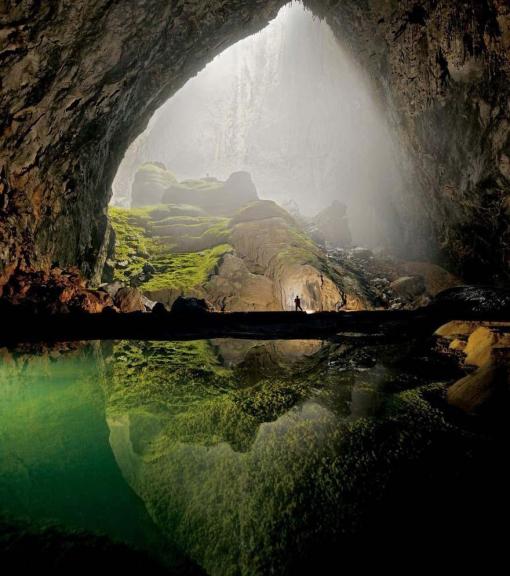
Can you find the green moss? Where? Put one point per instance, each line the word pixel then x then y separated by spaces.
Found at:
pixel 157 173
pixel 260 210
pixel 137 245
pixel 199 185
pixel 133 247
pixel 186 270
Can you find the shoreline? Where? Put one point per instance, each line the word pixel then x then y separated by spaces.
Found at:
pixel 21 326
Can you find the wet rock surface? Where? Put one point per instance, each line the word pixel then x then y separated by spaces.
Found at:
pixel 385 278
pixel 483 348
pixel 485 299
pixel 54 292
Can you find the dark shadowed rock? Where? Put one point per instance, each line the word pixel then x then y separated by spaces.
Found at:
pixel 159 309
pixel 482 299
pixel 190 306
pixel 408 287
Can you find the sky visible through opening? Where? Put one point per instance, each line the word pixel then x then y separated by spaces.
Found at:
pixel 291 107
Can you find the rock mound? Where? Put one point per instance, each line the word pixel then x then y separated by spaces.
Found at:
pixel 151 180
pixel 213 196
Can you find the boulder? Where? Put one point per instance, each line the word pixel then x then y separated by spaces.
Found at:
pixel 159 309
pixel 149 304
pixel 211 195
pixel 112 288
pixel 191 306
pixel 56 291
pixel 241 185
pixel 456 328
pixel 129 300
pixel 486 346
pixel 436 278
pixel 476 299
pixel 408 287
pixel 481 391
pixel 487 343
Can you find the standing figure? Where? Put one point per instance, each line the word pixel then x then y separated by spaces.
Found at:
pixel 297 302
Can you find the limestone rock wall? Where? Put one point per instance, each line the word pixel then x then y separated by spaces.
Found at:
pixel 442 70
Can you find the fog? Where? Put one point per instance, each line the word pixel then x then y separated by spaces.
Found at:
pixel 290 106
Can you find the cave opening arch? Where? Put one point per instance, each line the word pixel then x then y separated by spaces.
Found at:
pixel 81 82
pixel 289 106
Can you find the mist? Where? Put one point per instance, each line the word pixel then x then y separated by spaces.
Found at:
pixel 290 106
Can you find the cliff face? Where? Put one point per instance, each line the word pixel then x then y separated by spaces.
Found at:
pixel 441 68
pixel 80 81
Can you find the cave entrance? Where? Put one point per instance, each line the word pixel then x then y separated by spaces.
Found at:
pixel 276 146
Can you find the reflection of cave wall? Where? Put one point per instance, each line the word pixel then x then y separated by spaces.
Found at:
pixel 81 80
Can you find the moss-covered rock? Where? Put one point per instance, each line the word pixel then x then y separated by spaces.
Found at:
pixel 179 248
pixel 151 180
pixel 159 265
pixel 214 196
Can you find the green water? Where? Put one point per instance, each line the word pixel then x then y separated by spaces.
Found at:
pixel 245 457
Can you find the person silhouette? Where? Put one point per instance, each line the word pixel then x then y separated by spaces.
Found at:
pixel 297 302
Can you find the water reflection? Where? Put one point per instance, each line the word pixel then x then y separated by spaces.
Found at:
pixel 252 454
pixel 250 457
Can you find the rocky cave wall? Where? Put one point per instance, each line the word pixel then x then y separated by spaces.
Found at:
pixel 441 68
pixel 81 80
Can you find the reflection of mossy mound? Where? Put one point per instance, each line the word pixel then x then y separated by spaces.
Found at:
pixel 305 482
pixel 180 392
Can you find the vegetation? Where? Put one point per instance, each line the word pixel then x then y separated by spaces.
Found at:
pixel 139 249
pixel 173 249
pixel 184 271
pixel 156 174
